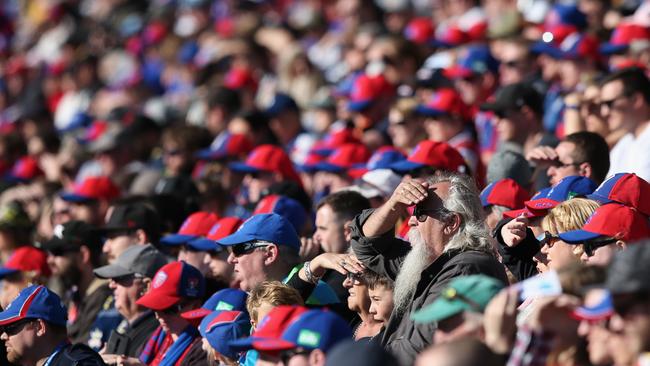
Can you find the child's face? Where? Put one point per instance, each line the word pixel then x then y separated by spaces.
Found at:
pixel 381 303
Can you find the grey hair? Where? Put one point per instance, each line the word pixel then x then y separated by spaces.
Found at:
pixel 464 200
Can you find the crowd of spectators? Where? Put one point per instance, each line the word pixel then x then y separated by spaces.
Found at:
pixel 325 182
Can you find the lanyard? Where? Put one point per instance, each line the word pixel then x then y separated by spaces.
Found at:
pixel 56 351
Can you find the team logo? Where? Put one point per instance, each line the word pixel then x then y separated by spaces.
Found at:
pixel 160 279
pixel 192 286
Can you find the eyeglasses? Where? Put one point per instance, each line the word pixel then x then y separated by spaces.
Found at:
pixel 451 293
pixel 421 214
pixel 286 356
pixel 590 246
pixel 126 281
pixel 245 248
pixel 610 103
pixel 354 277
pixel 558 164
pixel 547 239
pixel 173 152
pixel 401 122
pixel 17 327
pixel 513 64
pixel 174 309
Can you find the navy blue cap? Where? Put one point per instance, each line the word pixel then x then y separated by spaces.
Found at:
pixel 226 299
pixel 35 302
pixel 281 102
pixel 266 227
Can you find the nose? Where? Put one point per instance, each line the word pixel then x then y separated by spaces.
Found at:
pixel 4 336
pixel 112 284
pixel 207 258
pixel 584 257
pixel 347 283
pixel 583 328
pixel 551 171
pixel 413 222
pixel 232 259
pixel 604 110
pixel 544 249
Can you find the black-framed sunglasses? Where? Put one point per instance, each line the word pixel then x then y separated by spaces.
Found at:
pixel 547 239
pixel 286 356
pixel 246 248
pixel 558 164
pixel 421 214
pixel 17 327
pixel 610 103
pixel 127 280
pixel 590 246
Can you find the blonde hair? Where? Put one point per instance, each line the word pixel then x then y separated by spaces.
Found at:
pixel 274 293
pixel 569 215
pixel 405 106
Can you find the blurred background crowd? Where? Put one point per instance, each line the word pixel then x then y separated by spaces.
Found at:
pixel 379 171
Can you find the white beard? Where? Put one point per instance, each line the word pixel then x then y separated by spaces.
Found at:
pixel 416 261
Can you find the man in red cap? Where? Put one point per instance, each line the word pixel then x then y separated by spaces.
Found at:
pixel 91 199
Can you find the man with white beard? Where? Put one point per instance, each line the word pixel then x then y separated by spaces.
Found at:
pixel 448 238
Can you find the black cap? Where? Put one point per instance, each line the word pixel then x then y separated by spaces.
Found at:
pixel 629 271
pixel 352 353
pixel 71 236
pixel 133 216
pixel 515 97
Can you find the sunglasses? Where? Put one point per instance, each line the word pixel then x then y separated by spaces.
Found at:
pixel 17 327
pixel 547 239
pixel 127 281
pixel 513 64
pixel 421 214
pixel 557 164
pixel 174 309
pixel 246 248
pixel 610 103
pixel 590 246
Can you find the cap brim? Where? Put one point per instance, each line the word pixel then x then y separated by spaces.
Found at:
pixel 541 204
pixel 243 168
pixel 610 49
pixel 513 214
pixel 57 243
pixel 359 106
pixel 76 198
pixel 4 272
pixel 328 167
pixel 270 345
pixel 234 239
pixel 205 245
pixel 578 236
pixel 439 310
pixel 596 197
pixel 112 271
pixel 423 110
pixel 405 166
pixel 207 154
pixel 458 72
pixel 244 344
pixel 155 301
pixel 547 49
pixel 196 314
pixel 177 239
pixel 307 168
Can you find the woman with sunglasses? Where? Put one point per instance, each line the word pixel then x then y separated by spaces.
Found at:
pixel 569 215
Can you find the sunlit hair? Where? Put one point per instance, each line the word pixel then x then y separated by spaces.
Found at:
pixel 464 200
pixel 569 215
pixel 274 293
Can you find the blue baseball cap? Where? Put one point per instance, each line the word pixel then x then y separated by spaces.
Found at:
pixel 567 188
pixel 600 310
pixel 266 227
pixel 226 299
pixel 224 326
pixel 476 60
pixel 287 207
pixel 35 302
pixel 281 102
pixel 314 329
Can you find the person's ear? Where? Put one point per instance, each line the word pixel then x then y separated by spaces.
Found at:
pixel 316 358
pixel 271 254
pixel 585 170
pixel 40 327
pixel 452 224
pixel 141 236
pixel 146 284
pixel 620 245
pixel 85 255
pixel 347 231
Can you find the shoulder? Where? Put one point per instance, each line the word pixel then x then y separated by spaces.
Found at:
pixel 474 262
pixel 78 354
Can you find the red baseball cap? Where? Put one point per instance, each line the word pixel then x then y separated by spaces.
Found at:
pixel 444 102
pixel 239 77
pixel 530 212
pixel 419 30
pixel 623 36
pixel 367 89
pixel 26 259
pixel 505 192
pixel 228 146
pixel 270 327
pixel 92 188
pixel 195 225
pixel 432 154
pixel 625 188
pixel 611 220
pixel 345 157
pixel 24 170
pixel 334 139
pixel 173 282
pixel 268 158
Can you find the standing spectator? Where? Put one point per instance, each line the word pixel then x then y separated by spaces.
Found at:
pixel 625 103
pixel 447 239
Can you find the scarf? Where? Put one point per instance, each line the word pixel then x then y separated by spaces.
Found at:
pixel 173 353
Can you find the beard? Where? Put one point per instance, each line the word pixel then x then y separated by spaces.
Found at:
pixel 13 356
pixel 70 276
pixel 416 261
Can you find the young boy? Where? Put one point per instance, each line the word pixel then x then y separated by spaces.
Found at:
pixel 380 291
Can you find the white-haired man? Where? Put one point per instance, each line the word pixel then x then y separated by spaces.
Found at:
pixel 448 238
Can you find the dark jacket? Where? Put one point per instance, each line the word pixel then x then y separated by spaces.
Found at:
pixel 98 297
pixel 77 355
pixel 384 254
pixel 129 339
pixel 518 259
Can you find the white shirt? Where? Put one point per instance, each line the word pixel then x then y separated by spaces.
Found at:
pixel 632 155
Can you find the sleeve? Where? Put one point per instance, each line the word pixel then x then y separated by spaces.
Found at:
pixel 531 348
pixel 382 254
pixel 518 259
pixel 304 288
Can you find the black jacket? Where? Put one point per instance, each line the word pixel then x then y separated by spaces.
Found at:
pixel 518 259
pixel 384 255
pixel 130 339
pixel 77 355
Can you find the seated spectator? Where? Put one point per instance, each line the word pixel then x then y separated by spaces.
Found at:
pixel 268 295
pixel 220 270
pixel 130 276
pixel 130 224
pixel 458 311
pixel 177 287
pixel 26 266
pixel 91 198
pixel 567 216
pixel 380 292
pixel 218 329
pixel 404 129
pixel 501 196
pixel 627 189
pixel 34 330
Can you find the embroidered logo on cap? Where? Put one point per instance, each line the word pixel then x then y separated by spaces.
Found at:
pixel 222 305
pixel 160 279
pixel 309 338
